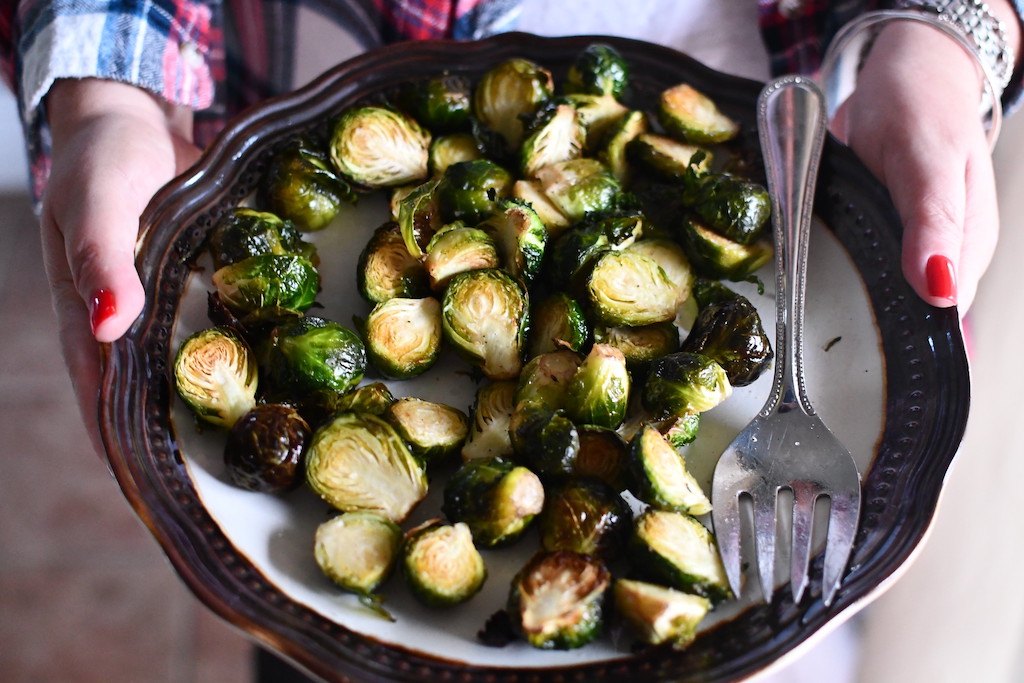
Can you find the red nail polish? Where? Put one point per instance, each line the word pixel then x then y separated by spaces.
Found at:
pixel 941 278
pixel 101 308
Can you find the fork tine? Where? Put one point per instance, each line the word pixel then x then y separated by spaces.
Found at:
pixel 726 517
pixel 803 521
pixel 842 526
pixel 765 530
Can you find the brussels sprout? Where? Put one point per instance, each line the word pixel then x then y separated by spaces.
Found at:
pixel 484 314
pixel 373 398
pixel 434 431
pixel 660 477
pixel 680 431
pixel 545 378
pixel 573 254
pixel 718 257
pixel 602 455
pixel 640 345
pixel 672 259
pixel 556 600
pixel 470 190
pixel 387 270
pixel 691 116
pixel 531 192
pixel 659 614
pixel 442 103
pixel 521 238
pixel 629 288
pixel 668 158
pixel 378 146
pixel 730 332
pixel 558 136
pixel 403 336
pixel 455 249
pixel 707 292
pixel 545 440
pixel 215 375
pixel 585 516
pixel 265 448
pixel 676 550
pixel 507 92
pixel 313 354
pixel 579 186
pixel 446 150
pixel 286 282
pixel 599 69
pixel 556 322
pixel 615 151
pixel 419 216
pixel 598 114
pixel 496 498
pixel 488 429
pixel 682 383
pixel 357 461
pixel 736 209
pixel 441 564
pixel 598 393
pixel 378 541
pixel 241 233
pixel 300 186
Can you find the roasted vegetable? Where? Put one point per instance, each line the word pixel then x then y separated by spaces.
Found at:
pixel 403 336
pixel 455 249
pixel 357 461
pixel 469 191
pixel 578 187
pixel 314 354
pixel 640 345
pixel 682 383
pixel 442 103
pixel 215 374
pixel 629 288
pixel 680 431
pixel 490 417
pixel 387 270
pixel 546 379
pixel 243 232
pixel 266 447
pixel 602 455
pixel 545 440
pixel 676 550
pixel 730 332
pixel 660 477
pixel 598 393
pixel 718 257
pixel 509 91
pixel 671 258
pixel 735 208
pixel 446 150
pixel 557 600
pixel 598 114
pixel 558 136
pixel 659 614
pixel 441 564
pixel 377 146
pixel 521 238
pixel 572 255
pixel 585 516
pixel 691 116
pixel 615 150
pixel 531 192
pixel 434 431
pixel 668 158
pixel 556 322
pixel 362 572
pixel 301 186
pixel 287 282
pixel 419 216
pixel 599 69
pixel 496 498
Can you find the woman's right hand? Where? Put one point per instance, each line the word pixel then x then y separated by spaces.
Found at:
pixel 114 145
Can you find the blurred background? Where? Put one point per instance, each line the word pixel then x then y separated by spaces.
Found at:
pixel 86 595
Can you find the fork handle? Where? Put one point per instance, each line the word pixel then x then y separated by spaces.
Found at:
pixel 792 122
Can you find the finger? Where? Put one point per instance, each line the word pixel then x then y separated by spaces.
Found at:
pixel 981 227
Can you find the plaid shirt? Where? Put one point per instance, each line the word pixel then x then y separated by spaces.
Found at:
pixel 220 56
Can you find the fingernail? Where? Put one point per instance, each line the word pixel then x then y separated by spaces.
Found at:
pixel 101 308
pixel 941 278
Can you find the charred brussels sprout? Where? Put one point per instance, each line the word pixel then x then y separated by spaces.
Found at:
pixel 602 455
pixel 378 540
pixel 598 393
pixel 313 354
pixel 419 216
pixel 659 614
pixel 586 516
pixel 558 136
pixel 357 461
pixel 572 255
pixel 719 257
pixel 579 186
pixel 599 69
pixel 675 549
pixel 265 448
pixel 668 158
pixel 615 151
pixel 546 378
pixel 442 103
pixel 496 498
pixel 660 476
pixel 457 249
pixel 506 93
pixel 484 314
pixel 287 282
pixel 521 238
pixel 378 146
pixel 545 440
pixel 300 186
pixel 730 332
pixel 215 375
pixel 403 336
pixel 736 209
pixel 387 270
pixel 241 233
pixel 691 116
pixel 683 383
pixel 434 431
pixel 707 292
pixel 628 288
pixel 557 322
pixel 488 428
pixel 441 564
pixel 470 190
pixel 557 600
pixel 640 345
pixel 447 150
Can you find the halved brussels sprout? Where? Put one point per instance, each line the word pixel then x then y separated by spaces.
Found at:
pixel 558 136
pixel 602 455
pixel 441 564
pixel 455 249
pixel 579 186
pixel 287 282
pixel 615 151
pixel 484 314
pixel 496 498
pixel 556 322
pixel 628 288
pixel 531 192
pixel 266 447
pixel 546 378
pixel 665 156
pixel 470 190
pixel 672 259
pixel 676 550
pixel 598 114
pixel 735 208
pixel 434 431
pixel 215 374
pixel 599 69
pixel 373 398
pixel 243 232
pixel 310 354
pixel 720 258
pixel 660 477
pixel 300 186
pixel 387 270
pixel 730 332
pixel 358 551
pixel 521 237
pixel 598 393
pixel 357 461
pixel 572 256
pixel 659 614
pixel 680 431
pixel 545 440
pixel 403 336
pixel 419 216
pixel 490 417
pixel 682 383
pixel 507 92
pixel 691 116
pixel 585 516
pixel 640 345
pixel 442 103
pixel 556 600
pixel 446 150
pixel 377 146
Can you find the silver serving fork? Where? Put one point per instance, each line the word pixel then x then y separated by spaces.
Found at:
pixel 787 446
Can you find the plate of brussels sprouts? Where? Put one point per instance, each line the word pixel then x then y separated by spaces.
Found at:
pixel 440 352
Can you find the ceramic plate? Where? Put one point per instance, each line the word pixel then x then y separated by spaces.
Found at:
pixel 887 373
